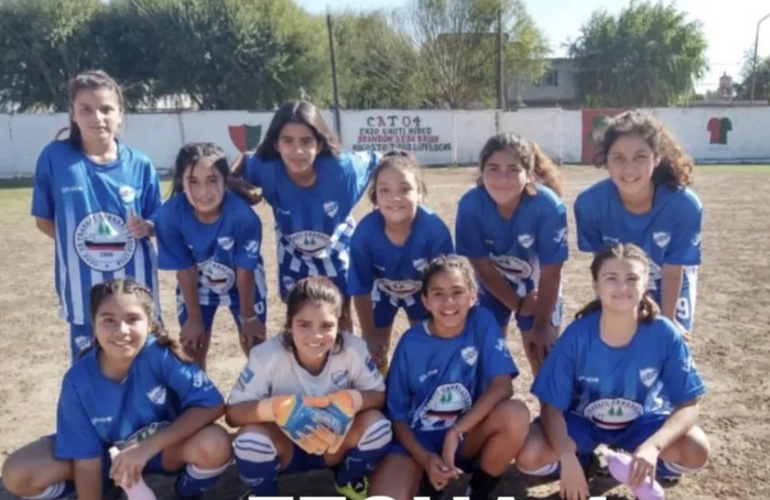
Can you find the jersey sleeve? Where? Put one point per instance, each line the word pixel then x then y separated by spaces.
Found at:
pixel 397 394
pixel 685 246
pixel 361 165
pixel 364 373
pixel 495 356
pixel 43 204
pixel 469 238
pixel 173 253
pixel 442 239
pixel 248 240
pixel 589 236
pixel 552 234
pixel 151 197
pixel 556 378
pixel 192 386
pixel 681 379
pixel 252 169
pixel 253 382
pixel 76 437
pixel 360 274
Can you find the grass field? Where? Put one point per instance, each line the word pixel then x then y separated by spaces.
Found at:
pixel 729 337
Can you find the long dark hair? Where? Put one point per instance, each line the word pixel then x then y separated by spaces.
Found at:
pixel 648 309
pixel 90 80
pixel 317 289
pixel 304 113
pixel 190 155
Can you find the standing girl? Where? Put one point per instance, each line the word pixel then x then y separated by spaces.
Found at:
pixel 132 391
pixel 390 248
pixel 449 393
pixel 212 239
pixel 646 201
pixel 620 375
pixel 311 373
pixel 513 228
pixel 96 198
pixel 312 187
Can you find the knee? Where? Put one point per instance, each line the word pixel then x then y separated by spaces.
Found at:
pixel 696 449
pixel 213 447
pixel 376 431
pixel 254 444
pixel 515 416
pixel 18 478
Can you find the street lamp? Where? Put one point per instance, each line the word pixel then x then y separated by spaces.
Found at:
pixel 754 69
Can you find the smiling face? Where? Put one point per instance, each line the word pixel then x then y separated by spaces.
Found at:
pixel 621 284
pixel 97 113
pixel 121 326
pixel 448 298
pixel 298 147
pixel 204 187
pixel 504 177
pixel 631 162
pixel 314 333
pixel 398 194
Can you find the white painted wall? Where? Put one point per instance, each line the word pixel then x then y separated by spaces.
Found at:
pixel 444 136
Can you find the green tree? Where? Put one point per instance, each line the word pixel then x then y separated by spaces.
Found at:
pixel 649 55
pixel 762 83
pixel 457 47
pixel 42 45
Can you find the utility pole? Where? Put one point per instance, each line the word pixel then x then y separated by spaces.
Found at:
pixel 754 64
pixel 337 124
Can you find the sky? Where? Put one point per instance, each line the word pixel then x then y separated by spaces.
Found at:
pixel 729 25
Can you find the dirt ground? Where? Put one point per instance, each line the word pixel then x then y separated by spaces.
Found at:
pixel 733 315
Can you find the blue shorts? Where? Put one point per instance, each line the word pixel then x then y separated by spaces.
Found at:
pixel 503 315
pixel 587 435
pixel 207 313
pixel 433 441
pixel 81 339
pixel 288 278
pixel 385 310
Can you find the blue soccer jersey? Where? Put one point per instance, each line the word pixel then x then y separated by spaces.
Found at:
pixel 614 386
pixel 218 249
pixel 670 233
pixel 433 381
pixel 393 273
pixel 313 224
pixel 89 204
pixel 96 413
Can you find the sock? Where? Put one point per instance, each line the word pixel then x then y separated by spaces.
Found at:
pixel 369 450
pixel 543 471
pixel 257 461
pixel 194 482
pixel 482 485
pixel 57 491
pixel 670 470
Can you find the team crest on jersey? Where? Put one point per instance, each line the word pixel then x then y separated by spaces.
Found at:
pixel 215 276
pixel 340 378
pixel 399 289
pixel 310 243
pixel 501 346
pixel 127 193
pixel 561 236
pixel 526 240
pixel 103 242
pixel 512 268
pixel 226 243
pixel 419 264
pixel 83 342
pixel 648 376
pixel 157 395
pixel 661 238
pixel 370 364
pixel 447 404
pixel 331 208
pixel 613 413
pixel 252 248
pixel 470 355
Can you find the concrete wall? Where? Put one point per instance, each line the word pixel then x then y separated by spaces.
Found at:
pixel 436 136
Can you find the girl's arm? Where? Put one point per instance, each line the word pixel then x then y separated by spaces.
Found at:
pixel 555 429
pixel 188 284
pixel 682 419
pixel 252 329
pixel 88 478
pixel 365 313
pixel 406 438
pixel 188 423
pixel 495 283
pixel 46 226
pixel 244 413
pixel 500 389
pixel 372 400
pixel 670 285
pixel 547 294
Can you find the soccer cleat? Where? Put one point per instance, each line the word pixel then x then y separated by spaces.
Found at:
pixel 354 491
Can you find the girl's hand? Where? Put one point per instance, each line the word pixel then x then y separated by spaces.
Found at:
pixel 128 465
pixel 643 464
pixel 252 333
pixel 439 473
pixel 138 227
pixel 452 441
pixel 191 335
pixel 573 480
pixel 539 342
pixel 528 304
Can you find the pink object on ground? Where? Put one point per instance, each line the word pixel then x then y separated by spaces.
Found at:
pixel 140 490
pixel 619 465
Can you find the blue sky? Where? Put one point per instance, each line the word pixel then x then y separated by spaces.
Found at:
pixel 729 25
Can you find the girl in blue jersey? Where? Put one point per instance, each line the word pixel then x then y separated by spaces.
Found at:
pixel 620 375
pixel 513 228
pixel 312 187
pixel 311 373
pixel 449 393
pixel 646 201
pixel 212 239
pixel 132 391
pixel 96 198
pixel 390 248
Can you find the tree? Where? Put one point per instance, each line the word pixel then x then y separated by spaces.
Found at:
pixel 44 44
pixel 649 55
pixel 762 83
pixel 457 47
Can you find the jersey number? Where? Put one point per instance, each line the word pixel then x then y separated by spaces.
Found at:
pixel 683 308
